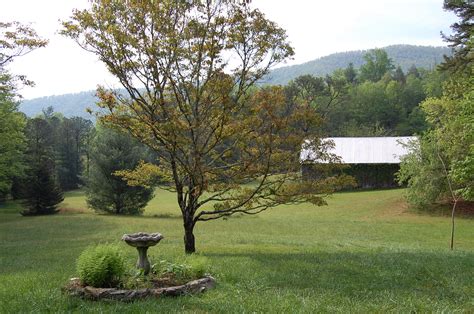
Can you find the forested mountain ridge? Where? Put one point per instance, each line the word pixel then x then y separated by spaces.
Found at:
pixel 426 57
pixel 404 55
pixel 70 105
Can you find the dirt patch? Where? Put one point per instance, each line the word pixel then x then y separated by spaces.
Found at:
pixel 396 207
pixel 70 210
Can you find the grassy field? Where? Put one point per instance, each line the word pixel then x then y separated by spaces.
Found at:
pixel 365 252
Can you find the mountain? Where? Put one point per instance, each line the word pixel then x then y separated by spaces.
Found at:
pixel 403 55
pixel 68 104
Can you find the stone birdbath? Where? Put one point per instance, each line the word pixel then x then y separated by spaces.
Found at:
pixel 142 241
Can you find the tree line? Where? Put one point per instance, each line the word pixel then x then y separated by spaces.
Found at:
pixel 60 154
pixel 378 99
pixel 63 154
pixel 426 57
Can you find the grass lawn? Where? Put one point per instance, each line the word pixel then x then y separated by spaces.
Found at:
pixel 365 252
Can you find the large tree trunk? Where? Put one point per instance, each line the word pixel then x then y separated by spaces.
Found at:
pixel 189 243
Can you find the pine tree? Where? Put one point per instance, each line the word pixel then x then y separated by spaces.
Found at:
pixel 71 147
pixel 461 40
pixel 399 76
pixel 350 73
pixel 112 151
pixel 41 191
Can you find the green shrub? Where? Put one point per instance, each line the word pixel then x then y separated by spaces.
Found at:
pixel 101 265
pixel 188 268
pixel 198 265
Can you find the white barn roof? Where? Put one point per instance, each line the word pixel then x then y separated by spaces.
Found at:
pixel 365 150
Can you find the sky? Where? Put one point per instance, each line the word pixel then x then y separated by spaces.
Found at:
pixel 315 28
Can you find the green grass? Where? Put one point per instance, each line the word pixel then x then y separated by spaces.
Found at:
pixel 365 252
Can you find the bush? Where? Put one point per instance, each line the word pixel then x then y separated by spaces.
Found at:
pixel 189 268
pixel 423 173
pixel 101 266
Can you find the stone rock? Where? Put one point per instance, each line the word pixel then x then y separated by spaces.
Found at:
pixel 74 288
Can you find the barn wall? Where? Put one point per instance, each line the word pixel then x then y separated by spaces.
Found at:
pixel 366 175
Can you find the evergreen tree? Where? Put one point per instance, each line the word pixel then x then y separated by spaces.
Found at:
pixel 70 137
pixel 42 194
pixel 112 151
pixel 413 71
pixel 350 73
pixel 398 75
pixel 71 147
pixel 462 38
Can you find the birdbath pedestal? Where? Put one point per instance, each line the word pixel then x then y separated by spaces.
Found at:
pixel 142 241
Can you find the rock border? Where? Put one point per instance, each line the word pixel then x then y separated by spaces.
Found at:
pixel 74 288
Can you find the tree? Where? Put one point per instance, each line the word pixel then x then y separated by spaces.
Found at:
pixel 106 192
pixel 399 76
pixel 318 92
pixel 189 69
pixel 12 142
pixel 371 106
pixel 377 63
pixel 350 73
pixel 452 127
pixel 413 93
pixel 462 39
pixel 323 94
pixel 423 173
pixel 15 40
pixel 42 194
pixel 413 71
pixel 446 148
pixel 71 147
pixel 433 83
pixel 442 167
pixel 71 138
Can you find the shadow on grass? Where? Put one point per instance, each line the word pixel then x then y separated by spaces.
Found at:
pixel 165 216
pixel 464 210
pixel 10 207
pixel 443 275
pixel 138 216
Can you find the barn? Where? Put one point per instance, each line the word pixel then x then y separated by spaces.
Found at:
pixel 372 161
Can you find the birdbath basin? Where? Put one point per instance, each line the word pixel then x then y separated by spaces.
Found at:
pixel 142 241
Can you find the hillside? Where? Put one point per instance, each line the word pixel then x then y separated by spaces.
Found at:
pixel 68 104
pixel 403 55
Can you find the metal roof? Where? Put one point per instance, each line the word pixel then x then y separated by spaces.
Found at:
pixel 364 150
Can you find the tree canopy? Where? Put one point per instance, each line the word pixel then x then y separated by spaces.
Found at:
pixel 15 40
pixel 446 152
pixel 377 63
pixel 189 68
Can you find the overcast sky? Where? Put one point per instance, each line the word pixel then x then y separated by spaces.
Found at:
pixel 315 28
